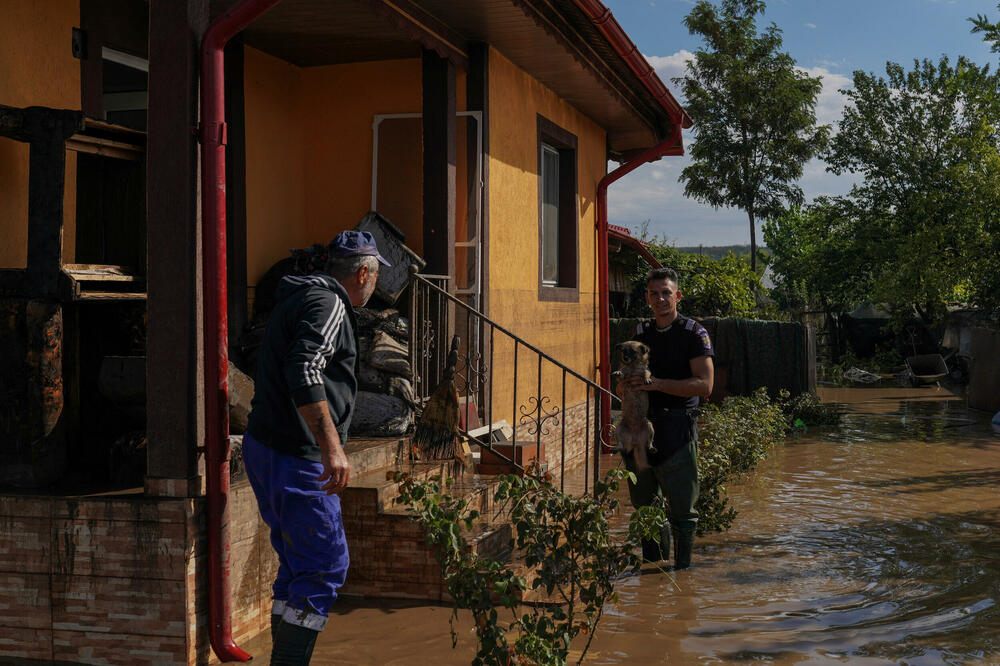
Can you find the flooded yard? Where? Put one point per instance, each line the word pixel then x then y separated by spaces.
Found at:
pixel 874 542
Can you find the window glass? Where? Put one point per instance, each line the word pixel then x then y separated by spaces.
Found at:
pixel 550 215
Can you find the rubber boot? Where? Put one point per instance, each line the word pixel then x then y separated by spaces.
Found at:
pixel 275 621
pixel 682 550
pixel 293 645
pixel 657 552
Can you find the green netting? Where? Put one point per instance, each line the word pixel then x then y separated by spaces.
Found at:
pixel 748 353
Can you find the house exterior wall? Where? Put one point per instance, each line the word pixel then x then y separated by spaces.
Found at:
pixel 39 70
pixel 309 148
pixel 566 331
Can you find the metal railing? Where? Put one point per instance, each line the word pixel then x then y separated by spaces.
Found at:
pixel 437 317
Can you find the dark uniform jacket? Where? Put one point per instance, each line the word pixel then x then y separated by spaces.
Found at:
pixel 670 354
pixel 309 354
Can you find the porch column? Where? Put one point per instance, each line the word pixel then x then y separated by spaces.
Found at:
pixel 439 164
pixel 173 354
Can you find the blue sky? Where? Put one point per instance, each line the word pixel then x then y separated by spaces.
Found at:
pixel 829 38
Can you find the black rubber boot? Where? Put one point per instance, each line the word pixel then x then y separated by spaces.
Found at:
pixel 682 550
pixel 657 552
pixel 275 621
pixel 293 645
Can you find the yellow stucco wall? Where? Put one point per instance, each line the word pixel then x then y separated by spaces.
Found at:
pixel 566 331
pixel 309 148
pixel 36 69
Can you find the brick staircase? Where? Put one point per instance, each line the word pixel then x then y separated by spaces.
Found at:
pixel 389 553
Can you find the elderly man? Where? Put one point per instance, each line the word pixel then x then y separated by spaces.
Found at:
pixel 294 445
pixel 680 362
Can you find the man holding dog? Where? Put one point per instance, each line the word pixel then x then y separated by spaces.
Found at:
pixel 680 363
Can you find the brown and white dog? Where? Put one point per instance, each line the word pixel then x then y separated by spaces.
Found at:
pixel 634 432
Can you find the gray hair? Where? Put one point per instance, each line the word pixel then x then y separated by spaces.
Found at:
pixel 342 268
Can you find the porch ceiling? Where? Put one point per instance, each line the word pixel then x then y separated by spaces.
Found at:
pixel 550 39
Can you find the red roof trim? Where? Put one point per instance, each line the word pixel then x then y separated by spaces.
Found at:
pixel 605 21
pixel 625 236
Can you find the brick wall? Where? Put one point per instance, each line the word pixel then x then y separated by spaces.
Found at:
pixel 123 579
pixel 94 580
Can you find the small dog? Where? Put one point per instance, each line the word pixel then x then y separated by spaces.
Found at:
pixel 634 431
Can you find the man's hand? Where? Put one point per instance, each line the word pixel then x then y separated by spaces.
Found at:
pixel 336 468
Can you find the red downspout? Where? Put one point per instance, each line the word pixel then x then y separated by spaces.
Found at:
pixel 216 353
pixel 670 146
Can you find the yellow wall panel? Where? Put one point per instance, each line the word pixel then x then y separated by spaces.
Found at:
pixel 566 331
pixel 36 69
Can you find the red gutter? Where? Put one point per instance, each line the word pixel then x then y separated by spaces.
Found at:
pixel 216 353
pixel 671 146
pixel 608 25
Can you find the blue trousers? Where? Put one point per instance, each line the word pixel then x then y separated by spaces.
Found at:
pixel 307 533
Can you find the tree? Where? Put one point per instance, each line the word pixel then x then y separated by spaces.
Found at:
pixel 925 144
pixel 754 112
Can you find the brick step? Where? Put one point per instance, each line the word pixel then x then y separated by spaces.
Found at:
pixel 390 557
pixel 367 454
pixel 379 488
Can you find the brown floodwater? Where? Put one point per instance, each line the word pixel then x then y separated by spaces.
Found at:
pixel 874 542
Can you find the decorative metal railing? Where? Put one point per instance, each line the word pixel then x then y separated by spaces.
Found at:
pixel 569 419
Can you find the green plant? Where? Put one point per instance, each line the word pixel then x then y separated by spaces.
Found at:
pixel 566 541
pixel 806 409
pixel 734 437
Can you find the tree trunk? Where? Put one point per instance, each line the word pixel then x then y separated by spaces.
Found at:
pixel 753 241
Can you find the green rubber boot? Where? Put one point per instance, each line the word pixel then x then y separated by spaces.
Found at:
pixel 682 550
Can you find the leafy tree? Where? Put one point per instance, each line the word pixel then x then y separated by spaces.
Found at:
pixel 925 144
pixel 754 111
pixel 821 256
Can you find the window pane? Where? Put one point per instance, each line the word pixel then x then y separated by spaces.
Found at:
pixel 550 215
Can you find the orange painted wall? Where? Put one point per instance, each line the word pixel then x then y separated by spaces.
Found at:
pixel 309 148
pixel 566 331
pixel 36 69
pixel 275 166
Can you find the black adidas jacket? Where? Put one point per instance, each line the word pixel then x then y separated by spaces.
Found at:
pixel 309 354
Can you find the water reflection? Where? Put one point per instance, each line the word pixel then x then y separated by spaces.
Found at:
pixel 875 542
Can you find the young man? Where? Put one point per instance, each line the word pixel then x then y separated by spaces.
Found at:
pixel 680 362
pixel 294 445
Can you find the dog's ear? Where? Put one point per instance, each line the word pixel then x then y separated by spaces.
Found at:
pixel 644 348
pixel 619 347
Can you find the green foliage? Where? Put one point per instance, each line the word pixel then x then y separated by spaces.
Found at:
pixel 754 111
pixel 734 437
pixel 566 539
pixel 919 231
pixel 806 409
pixel 727 287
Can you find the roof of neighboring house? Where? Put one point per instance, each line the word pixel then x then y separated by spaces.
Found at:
pixel 574 47
pixel 625 237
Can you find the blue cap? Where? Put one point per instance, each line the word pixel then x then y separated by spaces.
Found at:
pixel 355 243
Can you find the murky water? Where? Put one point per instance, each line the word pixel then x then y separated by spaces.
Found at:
pixel 875 542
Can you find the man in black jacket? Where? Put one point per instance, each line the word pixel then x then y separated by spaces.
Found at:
pixel 680 362
pixel 294 445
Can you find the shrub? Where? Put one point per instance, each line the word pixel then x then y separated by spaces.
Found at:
pixel 564 538
pixel 806 409
pixel 734 437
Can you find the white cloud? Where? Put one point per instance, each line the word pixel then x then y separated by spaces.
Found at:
pixel 830 103
pixel 811 26
pixel 670 67
pixel 652 192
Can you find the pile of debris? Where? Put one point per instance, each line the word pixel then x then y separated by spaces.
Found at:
pixel 385 405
